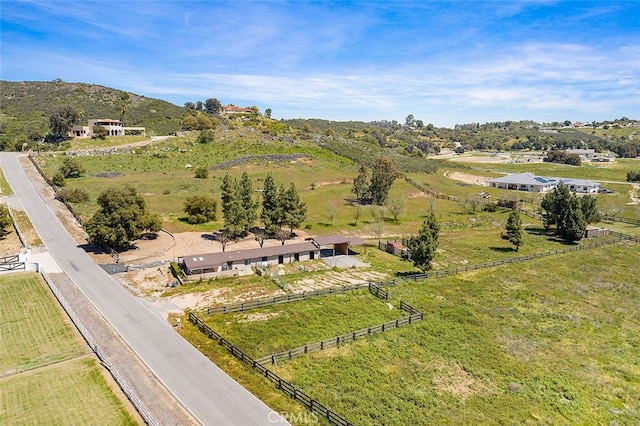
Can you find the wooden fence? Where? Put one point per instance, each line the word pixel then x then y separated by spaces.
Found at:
pixel 375 289
pixel 429 192
pixel 10 259
pixel 635 222
pixel 286 387
pixel 12 266
pixel 414 315
pixel 446 272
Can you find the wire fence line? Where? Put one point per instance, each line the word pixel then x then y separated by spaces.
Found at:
pixel 128 391
pixel 287 388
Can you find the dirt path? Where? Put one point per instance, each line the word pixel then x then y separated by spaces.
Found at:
pixel 467 178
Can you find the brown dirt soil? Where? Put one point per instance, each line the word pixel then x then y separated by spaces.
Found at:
pixel 10 244
pixel 451 378
pixel 467 178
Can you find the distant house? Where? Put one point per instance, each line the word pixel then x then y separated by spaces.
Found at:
pixel 232 109
pixel 113 127
pixel 532 183
pixel 585 154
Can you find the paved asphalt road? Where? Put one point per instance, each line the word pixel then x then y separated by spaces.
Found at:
pixel 207 392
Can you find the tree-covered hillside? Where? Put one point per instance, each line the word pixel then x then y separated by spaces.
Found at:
pixel 25 107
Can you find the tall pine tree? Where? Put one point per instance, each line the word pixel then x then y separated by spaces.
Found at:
pixel 248 205
pixel 514 229
pixel 271 206
pixel 231 206
pixel 424 245
pixel 295 211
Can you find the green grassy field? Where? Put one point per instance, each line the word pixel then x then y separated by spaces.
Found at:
pixel 302 322
pixel 70 393
pixel 35 331
pixel 47 374
pixel 551 341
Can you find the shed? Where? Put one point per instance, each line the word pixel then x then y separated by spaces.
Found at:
pixel 340 243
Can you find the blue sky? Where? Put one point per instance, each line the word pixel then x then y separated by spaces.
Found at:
pixel 443 62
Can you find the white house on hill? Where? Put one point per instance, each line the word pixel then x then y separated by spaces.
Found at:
pixel 532 183
pixel 113 127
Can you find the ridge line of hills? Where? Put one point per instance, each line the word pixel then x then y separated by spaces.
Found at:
pixel 25 106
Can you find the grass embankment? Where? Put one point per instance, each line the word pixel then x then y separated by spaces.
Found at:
pixel 550 341
pixel 50 378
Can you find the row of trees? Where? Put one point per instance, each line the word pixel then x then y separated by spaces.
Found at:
pixel 280 206
pixel 569 213
pixel 211 105
pixel 556 156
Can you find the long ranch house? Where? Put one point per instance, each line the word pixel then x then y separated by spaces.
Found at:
pixel 264 256
pixel 532 183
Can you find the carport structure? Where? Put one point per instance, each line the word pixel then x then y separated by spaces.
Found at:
pixel 338 243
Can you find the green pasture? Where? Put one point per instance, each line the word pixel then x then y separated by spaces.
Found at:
pixel 301 322
pixel 35 331
pixel 164 172
pixel 550 341
pixel 69 393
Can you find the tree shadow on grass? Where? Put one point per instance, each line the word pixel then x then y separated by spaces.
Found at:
pixel 502 249
pixel 538 231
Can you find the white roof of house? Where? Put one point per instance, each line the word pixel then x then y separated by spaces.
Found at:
pixel 531 179
pixel 525 179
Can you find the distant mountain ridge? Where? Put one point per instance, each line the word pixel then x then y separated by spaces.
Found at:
pixel 28 103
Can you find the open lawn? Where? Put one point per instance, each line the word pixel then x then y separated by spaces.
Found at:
pixel 73 392
pixel 35 331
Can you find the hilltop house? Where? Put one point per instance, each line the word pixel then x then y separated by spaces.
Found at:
pixel 113 127
pixel 232 109
pixel 532 183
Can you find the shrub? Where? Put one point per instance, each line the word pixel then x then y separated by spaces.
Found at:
pixel 58 180
pixel 200 209
pixel 72 195
pixel 201 173
pixel 633 176
pixel 71 168
pixel 490 207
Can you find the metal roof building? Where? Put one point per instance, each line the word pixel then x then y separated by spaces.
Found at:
pixel 532 183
